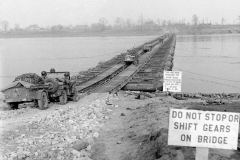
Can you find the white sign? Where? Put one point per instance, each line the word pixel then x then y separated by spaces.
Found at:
pixel 172 81
pixel 203 129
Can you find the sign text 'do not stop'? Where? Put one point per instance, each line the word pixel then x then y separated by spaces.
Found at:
pixel 203 129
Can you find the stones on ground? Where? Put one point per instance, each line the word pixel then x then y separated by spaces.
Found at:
pixel 76 153
pixel 12 113
pixel 96 135
pixel 62 131
pixel 81 144
pixel 106 117
pixel 129 109
pixel 89 147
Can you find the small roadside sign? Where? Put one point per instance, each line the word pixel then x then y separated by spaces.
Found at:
pixel 172 81
pixel 203 129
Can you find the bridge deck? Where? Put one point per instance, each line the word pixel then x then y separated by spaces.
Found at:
pixel 99 77
pixel 122 78
pixel 126 73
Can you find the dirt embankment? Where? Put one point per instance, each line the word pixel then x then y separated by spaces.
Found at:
pixel 103 127
pixel 138 130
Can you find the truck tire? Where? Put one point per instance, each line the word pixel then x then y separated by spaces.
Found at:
pixel 75 98
pixel 43 101
pixel 63 97
pixel 54 85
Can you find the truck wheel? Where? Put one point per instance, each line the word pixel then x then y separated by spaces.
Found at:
pixel 43 102
pixel 63 98
pixel 54 85
pixel 75 98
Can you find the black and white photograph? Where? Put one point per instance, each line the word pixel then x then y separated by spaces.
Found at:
pixel 119 79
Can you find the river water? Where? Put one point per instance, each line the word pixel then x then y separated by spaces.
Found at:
pixel 209 63
pixel 33 55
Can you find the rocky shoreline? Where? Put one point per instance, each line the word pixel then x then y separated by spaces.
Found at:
pixel 62 133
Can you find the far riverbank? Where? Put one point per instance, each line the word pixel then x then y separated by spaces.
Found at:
pixel 181 30
pixel 88 33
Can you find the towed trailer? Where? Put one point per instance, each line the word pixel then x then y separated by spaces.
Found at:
pixel 31 89
pixel 27 89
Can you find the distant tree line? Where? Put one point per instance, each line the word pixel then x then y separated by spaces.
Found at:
pixel 119 24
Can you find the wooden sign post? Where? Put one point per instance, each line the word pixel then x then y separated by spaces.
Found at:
pixel 201 153
pixel 203 130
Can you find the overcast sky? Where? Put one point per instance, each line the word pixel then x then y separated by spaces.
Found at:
pixel 79 12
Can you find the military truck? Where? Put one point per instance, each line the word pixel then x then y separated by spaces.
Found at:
pixel 147 47
pixel 131 58
pixel 63 88
pixel 32 89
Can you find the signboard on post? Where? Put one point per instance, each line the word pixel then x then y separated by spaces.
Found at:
pixel 203 129
pixel 172 81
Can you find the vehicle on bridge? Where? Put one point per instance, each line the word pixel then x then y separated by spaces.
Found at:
pixel 147 47
pixel 131 59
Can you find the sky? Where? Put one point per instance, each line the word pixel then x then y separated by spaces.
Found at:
pixel 80 12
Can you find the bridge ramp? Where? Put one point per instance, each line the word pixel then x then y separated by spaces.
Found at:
pixel 99 77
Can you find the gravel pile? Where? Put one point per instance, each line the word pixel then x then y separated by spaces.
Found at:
pixel 64 133
pixel 11 113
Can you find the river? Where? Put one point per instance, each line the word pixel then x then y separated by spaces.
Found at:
pixel 210 63
pixel 74 54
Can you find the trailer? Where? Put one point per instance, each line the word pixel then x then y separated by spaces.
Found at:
pixel 27 89
pixel 32 89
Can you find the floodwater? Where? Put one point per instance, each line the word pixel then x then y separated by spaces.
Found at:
pixel 74 54
pixel 209 63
